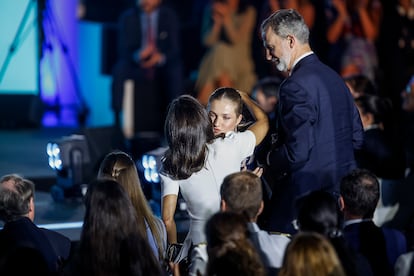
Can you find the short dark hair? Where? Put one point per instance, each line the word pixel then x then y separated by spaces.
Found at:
pixel 15 199
pixel 242 192
pixel 318 211
pixel 360 192
pixel 269 86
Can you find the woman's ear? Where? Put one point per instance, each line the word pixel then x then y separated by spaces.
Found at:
pixel 239 119
pixel 341 203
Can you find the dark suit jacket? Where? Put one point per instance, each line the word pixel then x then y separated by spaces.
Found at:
pixel 380 246
pixel 319 128
pixel 381 156
pixel 167 41
pixel 23 233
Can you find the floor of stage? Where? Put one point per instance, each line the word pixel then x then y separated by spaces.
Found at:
pixel 23 151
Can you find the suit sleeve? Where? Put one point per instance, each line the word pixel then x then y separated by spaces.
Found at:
pixel 297 118
pixel 169 35
pixel 128 34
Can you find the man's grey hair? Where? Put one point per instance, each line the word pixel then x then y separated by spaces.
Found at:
pixel 15 195
pixel 286 22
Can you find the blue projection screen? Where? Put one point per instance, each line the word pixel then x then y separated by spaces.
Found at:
pixel 19 71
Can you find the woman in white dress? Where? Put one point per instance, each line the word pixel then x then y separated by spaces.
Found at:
pixel 196 163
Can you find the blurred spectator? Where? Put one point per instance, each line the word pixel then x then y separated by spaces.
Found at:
pixel 379 153
pixel 360 85
pixel 230 252
pixel 149 55
pixel 310 253
pixel 227 32
pixel 353 27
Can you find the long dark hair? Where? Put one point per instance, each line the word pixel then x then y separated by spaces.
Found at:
pixel 110 242
pixel 188 130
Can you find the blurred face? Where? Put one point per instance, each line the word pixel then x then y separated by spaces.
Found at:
pixel 366 119
pixel 223 116
pixel 278 50
pixel 266 103
pixel 148 6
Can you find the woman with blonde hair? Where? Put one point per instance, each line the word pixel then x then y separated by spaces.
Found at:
pixel 119 166
pixel 310 254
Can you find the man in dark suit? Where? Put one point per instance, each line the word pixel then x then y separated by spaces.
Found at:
pixel 21 237
pixel 380 245
pixel 319 125
pixel 149 54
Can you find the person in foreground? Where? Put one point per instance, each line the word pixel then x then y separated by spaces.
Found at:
pixel 319 125
pixel 229 249
pixel 196 163
pixel 310 253
pixel 119 166
pixel 110 242
pixel 21 241
pixel 241 192
pixel 380 245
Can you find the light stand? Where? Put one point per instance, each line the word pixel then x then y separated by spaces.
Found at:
pixel 15 44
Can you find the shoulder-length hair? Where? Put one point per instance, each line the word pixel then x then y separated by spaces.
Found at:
pixel 188 130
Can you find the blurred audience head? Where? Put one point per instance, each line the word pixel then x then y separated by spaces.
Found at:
pixel 310 253
pixel 319 212
pixel 229 250
pixel 266 93
pixel 373 110
pixel 360 85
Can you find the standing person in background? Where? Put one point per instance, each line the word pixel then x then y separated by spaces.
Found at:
pixel 379 153
pixel 266 93
pixel 227 32
pixel 319 125
pixel 20 234
pixel 196 163
pixel 149 54
pixel 120 167
pixel 353 27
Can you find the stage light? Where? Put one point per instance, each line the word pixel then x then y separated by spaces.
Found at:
pixel 151 163
pixel 70 157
